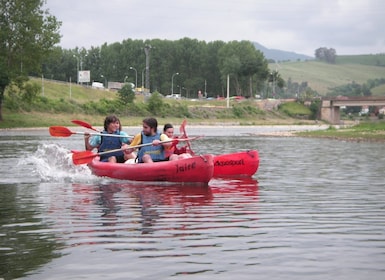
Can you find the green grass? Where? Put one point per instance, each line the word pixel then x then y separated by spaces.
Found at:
pixel 294 109
pixel 364 59
pixel 379 91
pixel 322 76
pixel 66 91
pixel 366 131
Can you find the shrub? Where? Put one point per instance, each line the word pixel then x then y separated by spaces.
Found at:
pixel 126 94
pixel 155 104
pixel 294 109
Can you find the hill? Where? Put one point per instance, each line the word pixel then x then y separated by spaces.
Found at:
pixel 322 76
pixel 364 59
pixel 280 55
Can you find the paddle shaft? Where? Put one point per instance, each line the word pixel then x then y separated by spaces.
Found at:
pixel 144 145
pixel 102 134
pixel 61 131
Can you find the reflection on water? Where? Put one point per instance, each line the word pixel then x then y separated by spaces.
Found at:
pixel 25 238
pixel 314 210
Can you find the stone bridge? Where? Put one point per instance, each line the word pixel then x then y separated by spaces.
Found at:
pixel 330 108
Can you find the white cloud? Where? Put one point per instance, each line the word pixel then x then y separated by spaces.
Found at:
pixel 349 26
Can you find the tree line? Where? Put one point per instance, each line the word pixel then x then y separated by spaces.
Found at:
pixel 199 66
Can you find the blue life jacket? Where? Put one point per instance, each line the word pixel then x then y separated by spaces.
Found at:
pixel 110 143
pixel 156 152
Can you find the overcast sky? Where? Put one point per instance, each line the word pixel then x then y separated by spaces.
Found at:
pixel 301 26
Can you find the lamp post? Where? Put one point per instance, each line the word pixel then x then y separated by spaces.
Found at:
pixel 181 88
pixel 147 49
pixel 136 76
pixel 81 62
pixel 77 67
pixel 172 83
pixel 105 80
pixel 143 78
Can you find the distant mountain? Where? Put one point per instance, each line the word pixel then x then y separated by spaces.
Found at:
pixel 279 55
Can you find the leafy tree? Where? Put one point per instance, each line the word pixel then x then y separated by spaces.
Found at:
pixel 242 61
pixel 315 108
pixel 27 34
pixel 276 80
pixel 325 54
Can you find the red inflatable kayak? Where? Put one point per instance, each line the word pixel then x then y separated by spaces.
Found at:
pixel 236 164
pixel 198 169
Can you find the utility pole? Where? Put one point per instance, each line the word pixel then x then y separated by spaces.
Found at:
pixel 147 49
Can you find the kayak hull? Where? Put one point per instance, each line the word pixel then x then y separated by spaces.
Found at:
pixel 243 163
pixel 198 169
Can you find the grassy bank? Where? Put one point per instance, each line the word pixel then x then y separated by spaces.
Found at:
pixel 57 107
pixel 366 131
pixel 40 119
pixel 58 103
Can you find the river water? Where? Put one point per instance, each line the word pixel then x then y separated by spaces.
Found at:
pixel 314 210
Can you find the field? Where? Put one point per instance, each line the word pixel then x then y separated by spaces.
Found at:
pixel 322 76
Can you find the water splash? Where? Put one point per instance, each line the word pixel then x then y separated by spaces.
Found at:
pixel 53 162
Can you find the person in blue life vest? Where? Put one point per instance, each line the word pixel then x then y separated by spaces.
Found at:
pixel 112 125
pixel 156 151
pixel 173 152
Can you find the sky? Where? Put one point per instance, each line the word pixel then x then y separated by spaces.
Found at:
pixel 301 26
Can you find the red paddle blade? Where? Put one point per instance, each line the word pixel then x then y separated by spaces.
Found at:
pixel 182 130
pixel 60 131
pixel 84 124
pixel 83 157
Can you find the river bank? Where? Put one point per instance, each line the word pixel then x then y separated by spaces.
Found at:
pixel 349 131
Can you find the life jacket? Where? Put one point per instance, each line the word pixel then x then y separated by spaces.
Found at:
pixel 157 153
pixel 173 149
pixel 110 143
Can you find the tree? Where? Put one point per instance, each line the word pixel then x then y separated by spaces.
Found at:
pixel 242 61
pixel 325 54
pixel 27 34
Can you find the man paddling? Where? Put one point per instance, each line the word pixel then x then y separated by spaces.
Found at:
pixel 150 134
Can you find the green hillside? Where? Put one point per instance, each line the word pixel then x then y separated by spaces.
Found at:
pixel 364 59
pixel 66 91
pixel 321 76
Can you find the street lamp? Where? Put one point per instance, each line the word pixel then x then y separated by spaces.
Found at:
pixel 143 78
pixel 81 62
pixel 172 83
pixel 181 88
pixel 136 76
pixel 105 80
pixel 77 68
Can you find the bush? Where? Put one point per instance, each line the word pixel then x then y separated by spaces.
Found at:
pixel 294 109
pixel 246 109
pixel 126 94
pixel 155 104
